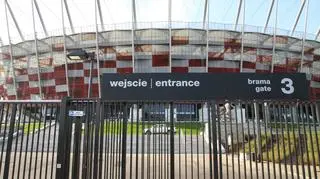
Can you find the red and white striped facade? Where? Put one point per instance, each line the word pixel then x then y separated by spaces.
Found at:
pixel 43 72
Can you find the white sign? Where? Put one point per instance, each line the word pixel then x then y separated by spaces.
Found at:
pixel 76 113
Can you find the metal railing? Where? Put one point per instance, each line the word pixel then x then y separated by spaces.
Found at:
pixel 91 138
pixel 206 139
pixel 28 138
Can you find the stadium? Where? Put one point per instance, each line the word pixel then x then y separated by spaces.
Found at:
pixel 37 67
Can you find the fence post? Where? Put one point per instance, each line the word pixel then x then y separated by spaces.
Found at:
pixel 124 141
pixel 97 163
pixel 9 144
pixel 171 142
pixel 63 154
pixel 212 108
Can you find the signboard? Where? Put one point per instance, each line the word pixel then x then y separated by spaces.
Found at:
pixel 76 113
pixel 203 86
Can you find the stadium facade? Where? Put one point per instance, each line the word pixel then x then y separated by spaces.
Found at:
pixel 38 68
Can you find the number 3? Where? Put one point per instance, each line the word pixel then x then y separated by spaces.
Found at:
pixel 289 89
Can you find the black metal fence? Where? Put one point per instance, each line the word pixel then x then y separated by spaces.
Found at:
pixel 28 139
pixel 207 139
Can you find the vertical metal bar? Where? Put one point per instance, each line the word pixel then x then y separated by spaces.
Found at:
pixel 171 142
pixel 133 27
pixel 11 51
pixel 248 130
pixel 19 108
pixel 49 134
pixel 207 36
pixel 32 145
pixel 22 138
pixel 76 146
pixel 124 141
pixel 243 139
pixel 27 142
pixel 62 156
pixel 97 3
pixel 266 117
pixel 210 139
pixel 137 141
pixel 289 139
pixel 293 112
pixel 101 137
pixel 54 139
pixel 228 113
pixel 7 5
pixel 96 138
pixel 305 137
pixel 65 49
pixel 304 35
pixel 90 78
pixel 300 141
pixel 43 135
pixel 308 118
pixel 226 139
pixel 316 122
pixel 36 50
pixel 170 36
pixel 38 139
pixel 237 137
pixel 214 139
pixel 9 143
pixel 284 112
pixel 274 39
pixel 131 141
pixel 242 35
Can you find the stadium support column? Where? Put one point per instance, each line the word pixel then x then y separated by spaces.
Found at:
pixel 274 38
pixel 242 33
pixel 14 19
pixel 64 49
pixel 133 27
pixel 97 4
pixel 304 36
pixel 11 52
pixel 318 34
pixel 36 49
pixel 207 36
pixel 170 34
pixel 268 18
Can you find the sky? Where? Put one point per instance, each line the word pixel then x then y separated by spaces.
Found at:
pixel 223 12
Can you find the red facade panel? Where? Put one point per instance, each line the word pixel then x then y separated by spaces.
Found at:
pixel 124 57
pixel 94 72
pixel 47 76
pixel 160 60
pixel 75 66
pixel 60 81
pixel 124 70
pixel 76 80
pixel 197 63
pixel 249 65
pixel 34 90
pixel 108 64
pixel 179 69
pixel 33 77
pixel 223 70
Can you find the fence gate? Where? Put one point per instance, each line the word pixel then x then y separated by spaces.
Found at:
pixel 208 139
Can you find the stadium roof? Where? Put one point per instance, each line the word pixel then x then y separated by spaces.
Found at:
pixel 47 18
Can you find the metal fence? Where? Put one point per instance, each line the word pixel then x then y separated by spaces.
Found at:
pixel 28 139
pixel 178 139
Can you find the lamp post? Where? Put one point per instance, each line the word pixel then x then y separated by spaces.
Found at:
pixel 84 56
